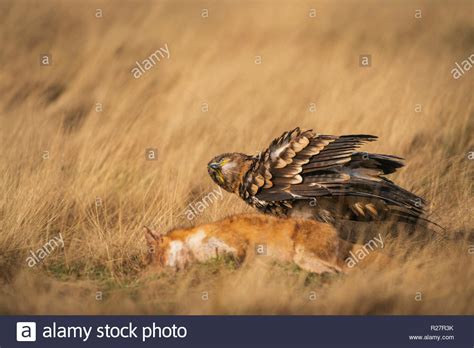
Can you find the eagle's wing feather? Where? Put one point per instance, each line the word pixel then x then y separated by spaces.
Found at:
pixel 301 164
pixel 282 163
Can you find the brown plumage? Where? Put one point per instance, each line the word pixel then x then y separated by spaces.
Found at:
pixel 322 177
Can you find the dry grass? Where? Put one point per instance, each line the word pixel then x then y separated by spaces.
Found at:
pixel 102 154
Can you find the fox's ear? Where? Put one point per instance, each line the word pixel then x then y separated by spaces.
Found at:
pixel 151 235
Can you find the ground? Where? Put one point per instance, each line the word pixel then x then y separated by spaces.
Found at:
pixel 92 153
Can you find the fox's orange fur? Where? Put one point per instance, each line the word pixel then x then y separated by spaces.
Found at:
pixel 312 245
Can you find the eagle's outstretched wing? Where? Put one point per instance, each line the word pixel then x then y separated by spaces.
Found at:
pixel 301 164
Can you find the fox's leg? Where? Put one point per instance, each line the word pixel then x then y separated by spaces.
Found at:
pixel 312 263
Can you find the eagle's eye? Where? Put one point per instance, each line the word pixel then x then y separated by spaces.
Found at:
pixel 214 166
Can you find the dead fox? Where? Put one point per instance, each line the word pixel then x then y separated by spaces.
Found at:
pixel 312 245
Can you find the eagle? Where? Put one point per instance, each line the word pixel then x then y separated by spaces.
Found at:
pixel 321 177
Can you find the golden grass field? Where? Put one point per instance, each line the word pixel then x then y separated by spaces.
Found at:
pixel 100 156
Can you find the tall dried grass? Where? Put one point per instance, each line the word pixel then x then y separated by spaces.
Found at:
pixel 101 155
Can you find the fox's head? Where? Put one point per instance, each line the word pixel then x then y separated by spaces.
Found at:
pixel 155 247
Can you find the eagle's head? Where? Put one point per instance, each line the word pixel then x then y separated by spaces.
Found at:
pixel 227 170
